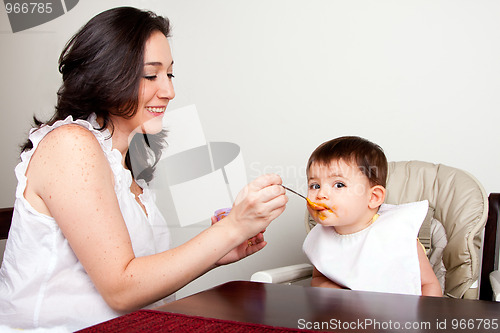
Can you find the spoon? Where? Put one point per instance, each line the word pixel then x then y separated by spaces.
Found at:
pixel 318 207
pixel 300 195
pixel 309 202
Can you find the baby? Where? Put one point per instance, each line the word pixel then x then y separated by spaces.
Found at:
pixel 360 243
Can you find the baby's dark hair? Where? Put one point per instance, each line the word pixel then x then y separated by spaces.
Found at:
pixel 369 157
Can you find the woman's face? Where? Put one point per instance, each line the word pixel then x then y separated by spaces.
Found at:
pixel 155 89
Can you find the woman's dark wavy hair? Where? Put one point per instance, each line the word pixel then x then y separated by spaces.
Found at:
pixel 368 156
pixel 102 66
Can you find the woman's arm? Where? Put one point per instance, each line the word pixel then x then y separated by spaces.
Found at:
pixel 430 283
pixel 70 178
pixel 319 280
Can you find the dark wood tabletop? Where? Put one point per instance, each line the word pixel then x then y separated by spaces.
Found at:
pixel 338 310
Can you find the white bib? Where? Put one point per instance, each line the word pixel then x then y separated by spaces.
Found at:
pixel 382 257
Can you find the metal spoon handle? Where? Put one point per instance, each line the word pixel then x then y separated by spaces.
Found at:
pixel 300 195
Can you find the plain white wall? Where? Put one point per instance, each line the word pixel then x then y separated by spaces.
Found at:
pixel 278 77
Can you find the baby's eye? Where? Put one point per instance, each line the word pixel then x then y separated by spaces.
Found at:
pixel 150 77
pixel 170 75
pixel 314 187
pixel 339 185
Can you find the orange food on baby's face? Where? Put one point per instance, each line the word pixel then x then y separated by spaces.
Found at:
pixel 320 208
pixel 317 206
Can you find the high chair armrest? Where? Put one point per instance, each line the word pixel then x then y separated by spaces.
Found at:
pixel 495 285
pixel 285 274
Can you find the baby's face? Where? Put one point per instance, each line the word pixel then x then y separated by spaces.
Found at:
pixel 345 190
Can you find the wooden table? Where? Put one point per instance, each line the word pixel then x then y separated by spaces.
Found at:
pixel 338 310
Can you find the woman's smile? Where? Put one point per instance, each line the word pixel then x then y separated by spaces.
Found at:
pixel 156 110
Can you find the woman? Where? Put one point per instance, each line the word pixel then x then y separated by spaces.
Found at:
pixel 82 248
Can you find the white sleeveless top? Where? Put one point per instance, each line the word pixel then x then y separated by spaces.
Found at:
pixel 42 283
pixel 382 257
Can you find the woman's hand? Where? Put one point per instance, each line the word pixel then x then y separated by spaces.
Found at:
pixel 243 250
pixel 255 207
pixel 259 203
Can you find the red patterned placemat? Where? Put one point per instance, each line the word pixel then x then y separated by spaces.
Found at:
pixel 159 321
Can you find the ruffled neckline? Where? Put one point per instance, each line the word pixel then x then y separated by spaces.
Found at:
pixel 115 159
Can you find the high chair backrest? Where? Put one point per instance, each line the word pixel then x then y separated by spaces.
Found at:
pixel 457 216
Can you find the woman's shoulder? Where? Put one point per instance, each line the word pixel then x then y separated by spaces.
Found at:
pixel 69 139
pixel 66 158
pixel 67 131
pixel 68 145
pixel 70 132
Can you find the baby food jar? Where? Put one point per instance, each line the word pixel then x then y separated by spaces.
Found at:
pixel 221 213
